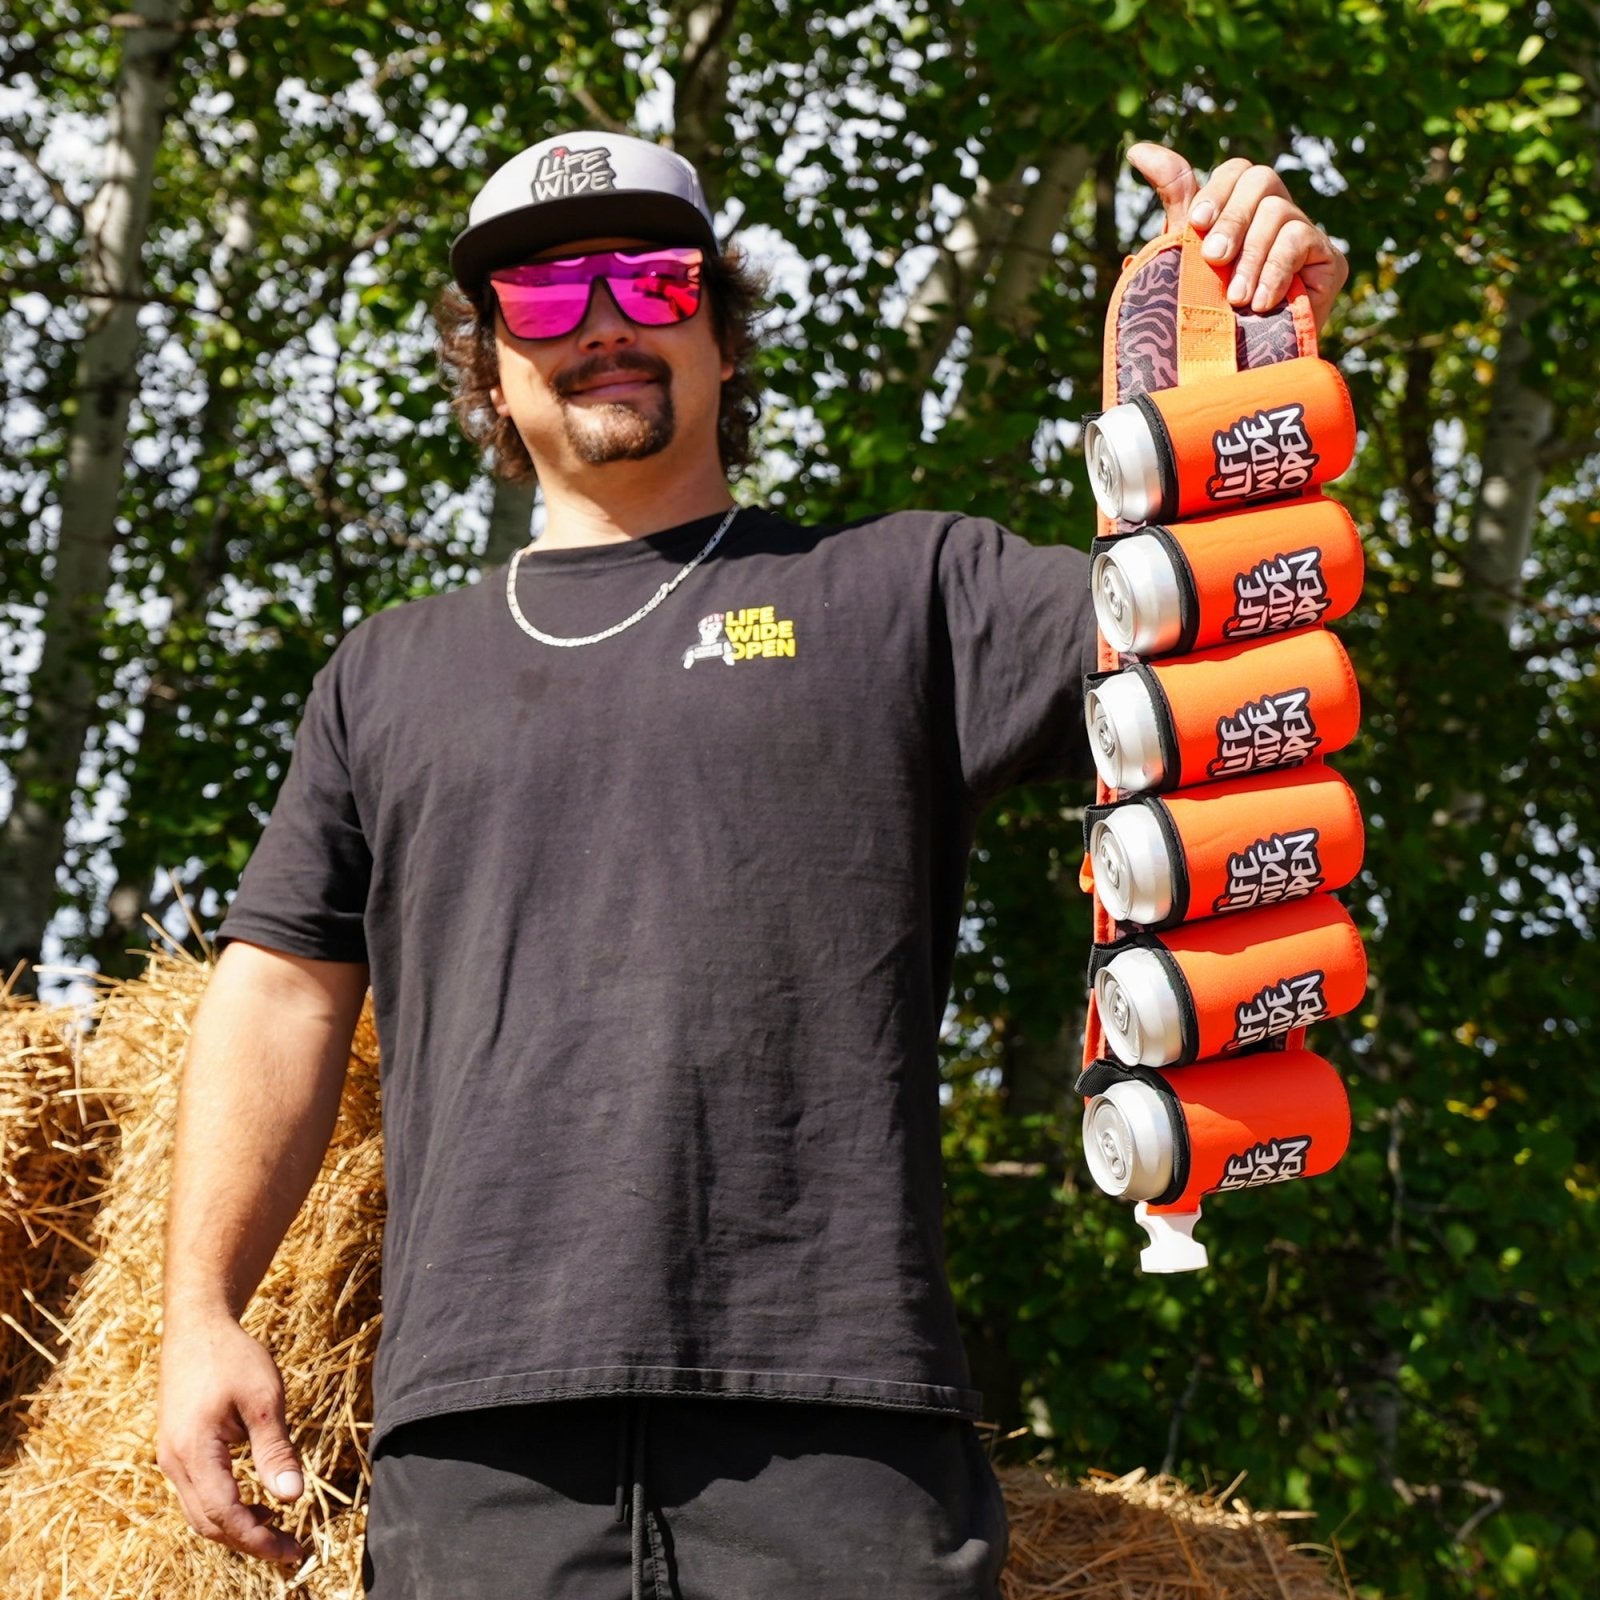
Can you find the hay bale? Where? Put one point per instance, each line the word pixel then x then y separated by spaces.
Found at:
pixel 1149 1538
pixel 56 1139
pixel 85 1511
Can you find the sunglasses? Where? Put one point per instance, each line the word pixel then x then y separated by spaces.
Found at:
pixel 652 288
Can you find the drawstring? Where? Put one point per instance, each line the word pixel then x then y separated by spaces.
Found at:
pixel 623 1414
pixel 630 1505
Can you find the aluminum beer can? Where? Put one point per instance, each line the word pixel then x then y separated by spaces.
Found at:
pixel 1217 1126
pixel 1134 872
pixel 1128 1141
pixel 1138 596
pixel 1124 454
pixel 1140 1009
pixel 1255 706
pixel 1263 434
pixel 1125 733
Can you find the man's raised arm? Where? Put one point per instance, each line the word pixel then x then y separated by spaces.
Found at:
pixel 261 1087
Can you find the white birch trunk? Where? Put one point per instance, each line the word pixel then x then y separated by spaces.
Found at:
pixel 63 688
pixel 1028 248
pixel 942 301
pixel 1521 420
pixel 700 94
pixel 192 589
pixel 1003 238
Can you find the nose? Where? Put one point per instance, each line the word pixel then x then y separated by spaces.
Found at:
pixel 603 323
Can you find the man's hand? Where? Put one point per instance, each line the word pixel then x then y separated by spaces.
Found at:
pixel 1246 216
pixel 240 1172
pixel 219 1387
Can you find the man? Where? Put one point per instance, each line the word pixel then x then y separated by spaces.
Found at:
pixel 654 848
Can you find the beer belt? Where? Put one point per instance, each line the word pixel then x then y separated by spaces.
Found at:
pixel 1219 832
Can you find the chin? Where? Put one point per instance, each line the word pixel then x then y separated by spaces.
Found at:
pixel 619 433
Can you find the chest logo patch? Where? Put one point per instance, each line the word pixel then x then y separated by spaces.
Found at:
pixel 753 633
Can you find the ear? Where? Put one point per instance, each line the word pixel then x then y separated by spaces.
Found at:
pixel 497 398
pixel 727 369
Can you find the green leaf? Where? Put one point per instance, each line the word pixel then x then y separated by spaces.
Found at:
pixel 1520 1565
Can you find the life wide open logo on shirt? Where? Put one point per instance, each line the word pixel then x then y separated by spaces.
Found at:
pixel 753 633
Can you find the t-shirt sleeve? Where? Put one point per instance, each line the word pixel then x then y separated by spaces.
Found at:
pixel 1022 636
pixel 305 888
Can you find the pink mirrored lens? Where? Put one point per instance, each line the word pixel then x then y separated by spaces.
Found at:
pixel 545 299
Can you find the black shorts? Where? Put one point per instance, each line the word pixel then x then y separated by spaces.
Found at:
pixel 668 1499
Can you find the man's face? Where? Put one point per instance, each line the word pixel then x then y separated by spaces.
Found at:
pixel 611 390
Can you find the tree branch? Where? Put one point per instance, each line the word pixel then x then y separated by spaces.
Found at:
pixel 1561 451
pixel 31 156
pixel 55 290
pixel 1027 249
pixel 700 92
pixel 939 306
pixel 262 10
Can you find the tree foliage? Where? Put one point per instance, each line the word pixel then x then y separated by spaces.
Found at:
pixel 1405 1346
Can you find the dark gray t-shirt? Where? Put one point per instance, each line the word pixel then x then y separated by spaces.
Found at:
pixel 661 933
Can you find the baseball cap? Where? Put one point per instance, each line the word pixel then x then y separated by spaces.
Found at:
pixel 575 186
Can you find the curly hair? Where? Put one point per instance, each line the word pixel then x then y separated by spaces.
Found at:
pixel 466 322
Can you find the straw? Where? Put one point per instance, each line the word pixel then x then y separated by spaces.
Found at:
pixel 56 1140
pixel 1138 1537
pixel 84 1511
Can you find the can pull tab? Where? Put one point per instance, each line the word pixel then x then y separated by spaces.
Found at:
pixel 1173 1246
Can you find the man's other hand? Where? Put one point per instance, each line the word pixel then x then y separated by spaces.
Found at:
pixel 1246 216
pixel 219 1387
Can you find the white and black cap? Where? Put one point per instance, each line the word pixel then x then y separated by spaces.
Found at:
pixel 576 186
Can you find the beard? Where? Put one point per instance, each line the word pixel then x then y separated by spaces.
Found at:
pixel 618 430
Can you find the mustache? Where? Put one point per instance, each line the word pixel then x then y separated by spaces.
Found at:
pixel 596 367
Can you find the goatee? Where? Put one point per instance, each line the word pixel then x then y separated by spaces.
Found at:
pixel 618 430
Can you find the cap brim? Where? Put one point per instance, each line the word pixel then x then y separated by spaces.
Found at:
pixel 513 236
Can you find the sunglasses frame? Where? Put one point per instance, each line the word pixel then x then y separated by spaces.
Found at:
pixel 691 258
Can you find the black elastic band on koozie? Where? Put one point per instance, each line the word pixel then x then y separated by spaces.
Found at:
pixel 1167 461
pixel 1166 731
pixel 1180 865
pixel 1188 1017
pixel 1188 595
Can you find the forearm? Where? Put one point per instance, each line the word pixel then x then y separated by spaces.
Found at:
pixel 261 1087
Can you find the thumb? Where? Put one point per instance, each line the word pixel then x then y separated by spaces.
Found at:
pixel 1172 178
pixel 276 1461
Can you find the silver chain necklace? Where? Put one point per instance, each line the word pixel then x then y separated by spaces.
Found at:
pixel 638 616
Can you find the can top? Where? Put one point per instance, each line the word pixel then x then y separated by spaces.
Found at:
pixel 1125 732
pixel 1138 600
pixel 1132 869
pixel 1139 1009
pixel 1124 463
pixel 1128 1141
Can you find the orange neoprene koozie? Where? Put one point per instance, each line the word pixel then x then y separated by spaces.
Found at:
pixel 1243 708
pixel 1257 435
pixel 1259 975
pixel 1256 841
pixel 1257 1120
pixel 1257 572
pixel 1246 843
